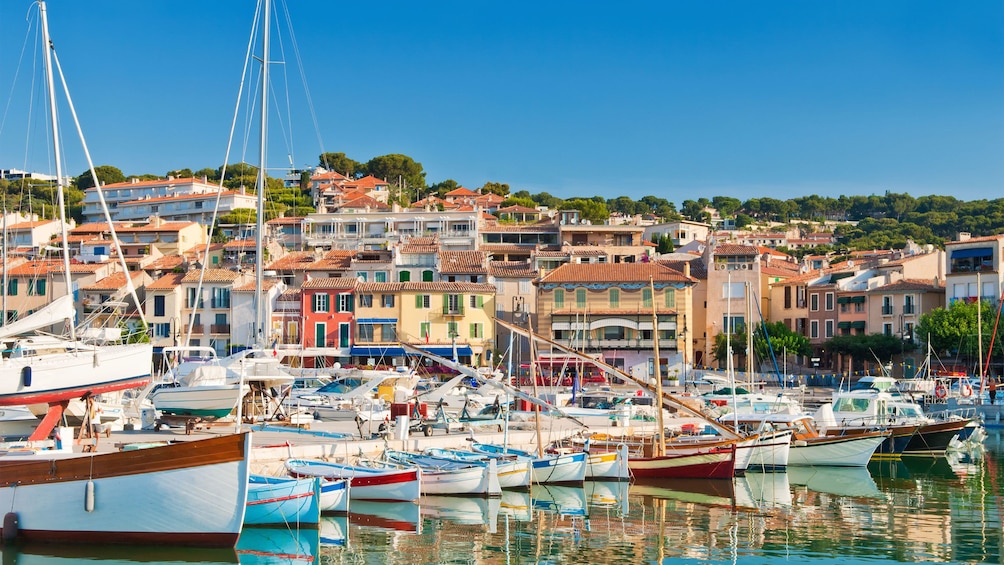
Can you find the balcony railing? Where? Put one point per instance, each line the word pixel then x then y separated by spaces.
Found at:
pixel 219 328
pixel 453 309
pixel 909 309
pixel 887 310
pixel 195 330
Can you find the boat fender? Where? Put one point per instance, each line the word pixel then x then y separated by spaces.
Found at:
pixel 966 390
pixel 940 391
pixel 89 496
pixel 26 376
pixel 10 526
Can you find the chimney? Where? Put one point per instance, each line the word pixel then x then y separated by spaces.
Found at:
pixel 965 236
pixel 686 269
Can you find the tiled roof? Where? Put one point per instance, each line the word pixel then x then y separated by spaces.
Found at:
pixel 292 261
pixel 697 270
pixel 516 209
pixel 586 252
pixel 285 221
pixel 330 283
pixel 977 239
pixel 34 268
pixel 166 282
pixel 373 287
pixel 462 262
pixel 733 249
pixel 241 244
pixel 418 249
pixel 512 270
pixel 461 191
pixel 448 287
pixel 99 227
pixel 777 272
pixel 164 226
pixel 266 285
pixel 292 294
pixel 212 275
pixel 29 225
pixel 144 183
pixel 180 197
pixel 614 273
pixel 114 281
pixel 57 267
pixel 909 285
pixel 507 247
pixel 166 262
pixel 546 227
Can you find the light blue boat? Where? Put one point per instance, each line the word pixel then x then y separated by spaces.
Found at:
pixel 278 501
pixel 551 468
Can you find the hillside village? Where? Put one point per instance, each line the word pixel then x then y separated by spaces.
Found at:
pixel 351 282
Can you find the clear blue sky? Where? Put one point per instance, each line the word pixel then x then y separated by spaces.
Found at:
pixel 677 99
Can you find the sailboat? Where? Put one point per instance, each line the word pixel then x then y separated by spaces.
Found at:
pixel 55 370
pixel 186 493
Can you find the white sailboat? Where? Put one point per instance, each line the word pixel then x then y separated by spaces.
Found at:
pixel 55 370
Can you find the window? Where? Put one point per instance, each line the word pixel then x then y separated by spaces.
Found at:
pixel 859 307
pixel 908 304
pixel 908 331
pixel 646 297
pixel 362 276
pixel 887 306
pixel 158 305
pixel 404 276
pixel 787 297
pixel 365 300
pixel 886 329
pixel 813 328
pixel 425 330
pixel 525 287
pixel 191 299
pixel 452 329
pixel 477 301
pixel 321 302
pixel 829 301
pixel 380 276
pixel 615 298
pixel 221 298
pixel 614 332
pixel 559 298
pixel 423 301
pixel 321 334
pixel 580 298
pixel 427 276
pixel 345 302
pixel 814 302
pixel 670 297
pixel 387 300
pixel 735 290
pixel 162 330
pixel 40 287
pixel 738 322
pixel 829 329
pixel 388 332
pixel 477 330
pixel 452 304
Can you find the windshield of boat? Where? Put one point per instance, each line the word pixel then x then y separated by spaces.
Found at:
pixel 852 405
pixel 341 386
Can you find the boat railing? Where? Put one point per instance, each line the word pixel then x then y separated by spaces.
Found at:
pixel 954 414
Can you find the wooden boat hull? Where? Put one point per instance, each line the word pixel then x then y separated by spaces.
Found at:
pixel 274 501
pixel 182 494
pixel 388 485
pixel 58 377
pixel 608 466
pixel 718 464
pixel 334 495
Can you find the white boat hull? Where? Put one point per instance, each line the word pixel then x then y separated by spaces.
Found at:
pixel 841 451
pixel 608 465
pixel 473 481
pixel 334 495
pixel 564 468
pixel 364 483
pixel 771 451
pixel 211 400
pixel 188 493
pixel 55 377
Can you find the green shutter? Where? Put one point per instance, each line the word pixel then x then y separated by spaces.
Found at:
pixel 418 301
pixel 481 302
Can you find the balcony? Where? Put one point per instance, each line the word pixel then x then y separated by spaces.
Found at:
pixel 195 330
pixel 220 329
pixel 887 310
pixel 909 309
pixel 453 309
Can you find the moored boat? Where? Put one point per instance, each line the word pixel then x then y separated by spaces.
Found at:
pixel 450 476
pixel 716 463
pixel 365 483
pixel 190 493
pixel 549 468
pixel 281 501
pixel 513 473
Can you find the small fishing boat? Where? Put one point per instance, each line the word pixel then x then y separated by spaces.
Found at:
pixel 334 495
pixel 280 501
pixel 549 468
pixel 365 482
pixel 450 476
pixel 513 472
pixel 717 463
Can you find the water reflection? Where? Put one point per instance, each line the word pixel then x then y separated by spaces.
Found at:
pixel 400 516
pixel 334 530
pixel 763 491
pixel 278 546
pixel 841 481
pixel 50 554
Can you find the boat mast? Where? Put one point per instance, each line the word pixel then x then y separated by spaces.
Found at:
pixel 660 448
pixel 5 273
pixel 259 324
pixel 533 379
pixel 60 200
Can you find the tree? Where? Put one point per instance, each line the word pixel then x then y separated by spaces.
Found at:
pixel 181 173
pixel 339 163
pixel 694 211
pixel 399 170
pixel 500 188
pixel 211 175
pixel 726 205
pixel 770 340
pixel 595 212
pixel 953 331
pixel 107 174
pixel 869 346
pixel 663 243
pixel 545 199
pixel 441 188
pixel 512 201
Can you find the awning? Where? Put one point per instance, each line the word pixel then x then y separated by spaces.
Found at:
pixel 376 321
pixel 447 351
pixel 388 351
pixel 858 299
pixel 844 325
pixel 843 299
pixel 973 252
pixel 859 325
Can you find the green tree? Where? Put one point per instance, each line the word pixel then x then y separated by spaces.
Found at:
pixel 595 212
pixel 107 174
pixel 726 205
pixel 953 331
pixel 511 201
pixel 545 199
pixel 500 188
pixel 694 211
pixel 399 170
pixel 339 163
pixel 868 347
pixel 211 175
pixel 181 173
pixel 663 243
pixel 441 188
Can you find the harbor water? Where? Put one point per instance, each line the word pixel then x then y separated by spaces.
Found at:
pixel 945 510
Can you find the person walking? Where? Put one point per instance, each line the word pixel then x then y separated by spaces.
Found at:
pixel 993 391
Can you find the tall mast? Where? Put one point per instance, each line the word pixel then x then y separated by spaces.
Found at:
pixel 259 323
pixel 660 448
pixel 51 89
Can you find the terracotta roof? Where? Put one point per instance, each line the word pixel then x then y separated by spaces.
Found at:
pixel 977 239
pixel 507 247
pixel 30 225
pixel 614 273
pixel 266 285
pixel 461 191
pixel 292 220
pixel 733 249
pixel 327 175
pixel 166 262
pixel 241 244
pixel 78 267
pixel 164 226
pixel 909 285
pixel 166 282
pixel 330 283
pixel 462 262
pixel 586 252
pixel 114 281
pixel 516 208
pixel 292 261
pixel 509 228
pixel 697 270
pixel 212 275
pixel 34 268
pixel 448 287
pixel 292 294
pixel 158 182
pixel 418 249
pixel 373 287
pixel 777 271
pixel 99 227
pixel 365 202
pixel 512 270
pixel 178 197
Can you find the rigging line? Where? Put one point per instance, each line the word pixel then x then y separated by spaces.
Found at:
pixel 104 205
pixel 303 76
pixel 17 70
pixel 770 347
pixel 223 174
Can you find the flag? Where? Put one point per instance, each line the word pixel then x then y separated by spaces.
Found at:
pixel 427 335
